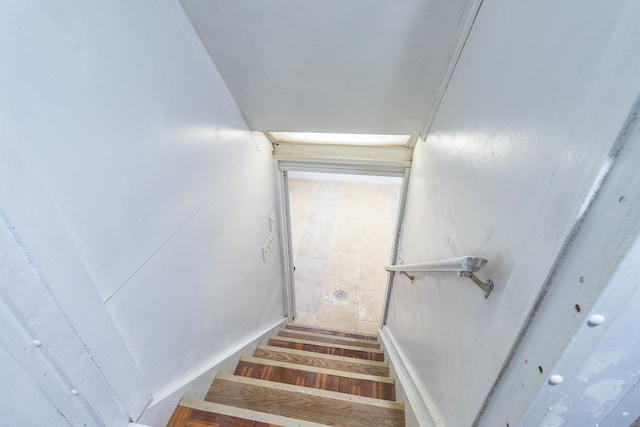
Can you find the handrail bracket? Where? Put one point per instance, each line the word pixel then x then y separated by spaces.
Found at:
pixel 410 276
pixel 486 287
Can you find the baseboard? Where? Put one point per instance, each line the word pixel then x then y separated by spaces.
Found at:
pixel 407 388
pixel 196 383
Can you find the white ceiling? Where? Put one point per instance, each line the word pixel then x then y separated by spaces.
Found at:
pixel 352 66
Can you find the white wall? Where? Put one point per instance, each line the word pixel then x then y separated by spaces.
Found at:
pixel 536 102
pixel 147 164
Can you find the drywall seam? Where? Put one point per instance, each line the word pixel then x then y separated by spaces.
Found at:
pixel 405 376
pixel 174 234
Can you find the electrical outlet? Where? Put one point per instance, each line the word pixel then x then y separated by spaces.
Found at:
pixel 266 249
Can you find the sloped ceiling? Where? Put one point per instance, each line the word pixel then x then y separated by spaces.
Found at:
pixel 353 66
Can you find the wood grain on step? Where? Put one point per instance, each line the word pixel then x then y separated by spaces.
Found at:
pixel 188 417
pixel 347 364
pixel 358 387
pixel 311 336
pixel 332 332
pixel 325 349
pixel 305 406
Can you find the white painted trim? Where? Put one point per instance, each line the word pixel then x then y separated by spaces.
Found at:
pixel 344 152
pixel 287 245
pixel 396 243
pixel 350 166
pixel 406 379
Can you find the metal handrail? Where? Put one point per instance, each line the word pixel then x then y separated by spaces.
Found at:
pixel 465 266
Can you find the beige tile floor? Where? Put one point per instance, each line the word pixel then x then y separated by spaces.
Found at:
pixel 342 234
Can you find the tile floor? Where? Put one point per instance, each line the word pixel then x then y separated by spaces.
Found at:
pixel 342 234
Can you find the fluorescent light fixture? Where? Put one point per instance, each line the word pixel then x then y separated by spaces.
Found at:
pixel 339 138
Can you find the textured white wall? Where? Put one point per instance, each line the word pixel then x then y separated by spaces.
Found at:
pixel 536 101
pixel 147 161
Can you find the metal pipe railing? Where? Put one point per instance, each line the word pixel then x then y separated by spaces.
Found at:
pixel 465 266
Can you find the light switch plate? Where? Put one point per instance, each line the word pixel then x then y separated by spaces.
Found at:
pixel 272 222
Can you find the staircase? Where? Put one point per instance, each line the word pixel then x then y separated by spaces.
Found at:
pixel 303 377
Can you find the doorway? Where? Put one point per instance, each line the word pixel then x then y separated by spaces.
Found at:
pixel 342 236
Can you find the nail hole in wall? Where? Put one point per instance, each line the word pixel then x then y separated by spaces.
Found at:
pixel 540 369
pixel 578 308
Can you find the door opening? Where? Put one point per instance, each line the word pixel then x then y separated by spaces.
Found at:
pixel 342 236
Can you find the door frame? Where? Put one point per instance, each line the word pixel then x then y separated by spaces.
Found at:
pixel 334 166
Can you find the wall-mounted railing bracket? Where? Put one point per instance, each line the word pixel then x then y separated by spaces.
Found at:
pixel 486 287
pixel 411 277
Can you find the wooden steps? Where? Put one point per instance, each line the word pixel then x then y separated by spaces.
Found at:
pixel 304 377
pixel 333 332
pixel 328 361
pixel 321 347
pixel 330 339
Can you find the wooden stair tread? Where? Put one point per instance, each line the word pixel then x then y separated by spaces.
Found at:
pixel 188 417
pixel 303 403
pixel 312 336
pixel 318 369
pixel 375 387
pixel 212 414
pixel 334 332
pixel 318 347
pixel 321 360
